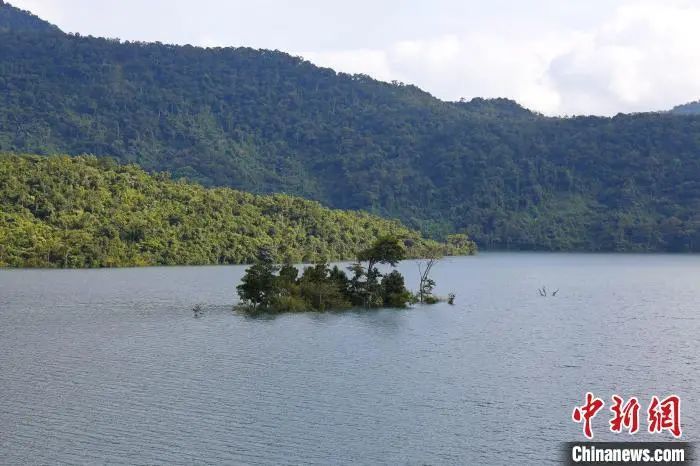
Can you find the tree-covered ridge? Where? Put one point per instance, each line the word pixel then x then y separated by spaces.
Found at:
pixel 691 108
pixel 14 19
pixel 264 121
pixel 90 212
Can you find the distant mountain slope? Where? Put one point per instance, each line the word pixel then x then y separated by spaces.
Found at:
pixel 264 121
pixel 88 212
pixel 14 19
pixel 691 108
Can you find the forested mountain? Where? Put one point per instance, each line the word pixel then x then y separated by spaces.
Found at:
pixel 265 121
pixel 90 212
pixel 14 19
pixel 691 108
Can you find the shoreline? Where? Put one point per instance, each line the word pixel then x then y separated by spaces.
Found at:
pixel 481 252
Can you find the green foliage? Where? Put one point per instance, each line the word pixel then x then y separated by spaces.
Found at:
pixel 431 299
pixel 259 286
pixel 288 275
pixel 286 303
pixel 90 212
pixel 386 250
pixel 458 241
pixel 14 19
pixel 365 287
pixel 320 292
pixel 321 288
pixel 394 292
pixel 264 121
pixel 691 108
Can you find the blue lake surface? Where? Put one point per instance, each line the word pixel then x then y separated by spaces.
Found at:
pixel 110 366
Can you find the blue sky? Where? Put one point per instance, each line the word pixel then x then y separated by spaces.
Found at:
pixel 558 57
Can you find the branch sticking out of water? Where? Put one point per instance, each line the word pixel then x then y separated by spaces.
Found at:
pixel 543 292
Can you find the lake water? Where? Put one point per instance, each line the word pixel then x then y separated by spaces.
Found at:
pixel 110 366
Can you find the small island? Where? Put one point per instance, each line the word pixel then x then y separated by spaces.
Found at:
pixel 271 288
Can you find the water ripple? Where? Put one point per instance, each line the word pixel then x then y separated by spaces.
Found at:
pixel 110 366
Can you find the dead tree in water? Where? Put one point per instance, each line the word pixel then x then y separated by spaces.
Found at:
pixel 543 292
pixel 425 288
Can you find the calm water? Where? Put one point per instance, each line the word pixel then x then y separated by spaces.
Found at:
pixel 109 366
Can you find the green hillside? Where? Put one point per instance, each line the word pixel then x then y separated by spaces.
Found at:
pixel 89 212
pixel 264 121
pixel 14 19
pixel 691 108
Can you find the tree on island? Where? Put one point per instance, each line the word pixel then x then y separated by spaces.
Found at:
pixel 259 285
pixel 394 290
pixel 368 290
pixel 386 250
pixel 323 288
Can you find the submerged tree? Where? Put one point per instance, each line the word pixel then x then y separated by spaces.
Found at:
pixel 394 292
pixel 320 287
pixel 259 285
pixel 426 285
pixel 367 288
pixel 288 275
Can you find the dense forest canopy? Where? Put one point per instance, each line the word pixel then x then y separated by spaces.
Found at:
pixel 14 19
pixel 89 212
pixel 691 108
pixel 264 121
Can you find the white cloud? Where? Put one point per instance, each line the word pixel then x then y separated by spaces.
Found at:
pixel 642 56
pixel 41 8
pixel 366 61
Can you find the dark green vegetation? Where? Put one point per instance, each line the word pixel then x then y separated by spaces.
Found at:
pixel 266 287
pixel 90 212
pixel 16 20
pixel 264 121
pixel 691 108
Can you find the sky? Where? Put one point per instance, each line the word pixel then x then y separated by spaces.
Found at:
pixel 557 57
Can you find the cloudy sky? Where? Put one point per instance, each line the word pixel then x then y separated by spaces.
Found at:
pixel 559 57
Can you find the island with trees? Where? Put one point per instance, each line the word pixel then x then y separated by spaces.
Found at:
pixel 270 288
